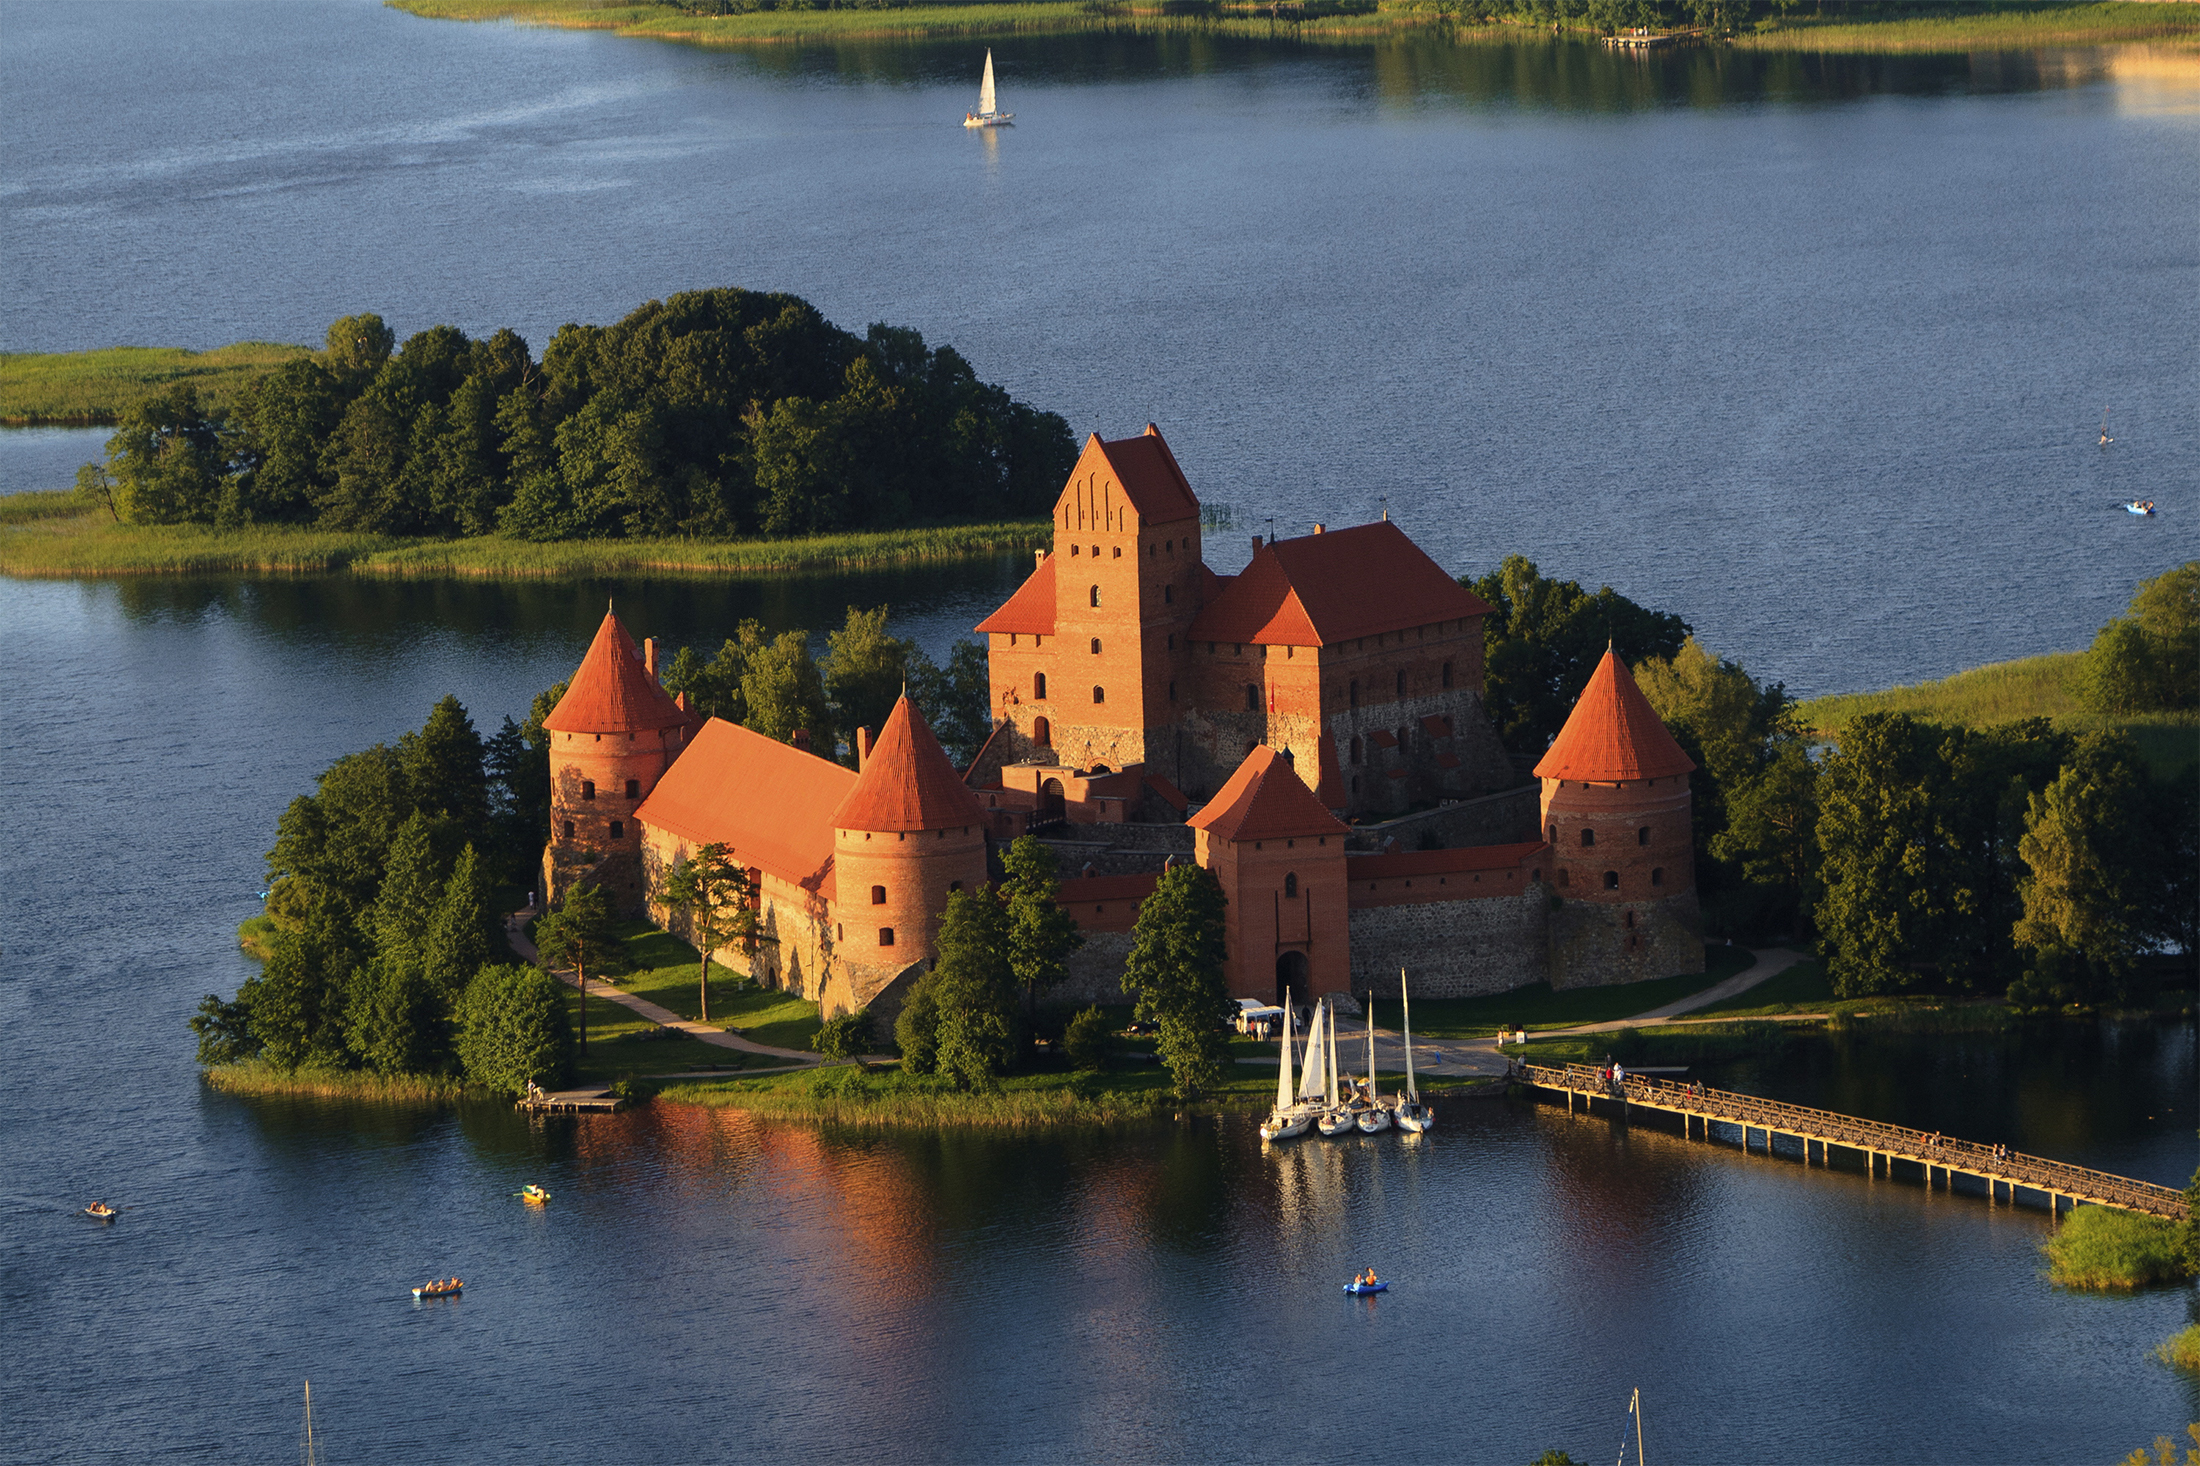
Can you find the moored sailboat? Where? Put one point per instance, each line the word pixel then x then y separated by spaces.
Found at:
pixel 1373 1119
pixel 1413 1117
pixel 989 113
pixel 1289 1118
pixel 1336 1118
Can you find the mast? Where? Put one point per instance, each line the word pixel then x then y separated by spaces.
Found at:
pixel 1405 999
pixel 1371 1045
pixel 1310 1083
pixel 986 107
pixel 1332 1055
pixel 1284 1097
pixel 309 1423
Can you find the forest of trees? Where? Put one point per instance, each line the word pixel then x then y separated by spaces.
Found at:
pixel 713 413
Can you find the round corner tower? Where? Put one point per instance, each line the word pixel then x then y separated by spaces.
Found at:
pixel 612 736
pixel 909 833
pixel 1618 816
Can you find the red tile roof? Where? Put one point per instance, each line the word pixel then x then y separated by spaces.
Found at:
pixel 771 802
pixel 1440 862
pixel 612 692
pixel 1147 470
pixel 1265 800
pixel 907 782
pixel 1031 609
pixel 1321 589
pixel 1612 734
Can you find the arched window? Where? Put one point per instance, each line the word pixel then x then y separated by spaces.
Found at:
pixel 1096 646
pixel 633 788
pixel 878 895
pixel 1657 875
pixel 1642 836
pixel 1588 837
pixel 1168 595
pixel 1096 595
pixel 886 936
pixel 1356 751
pixel 1611 880
pixel 1447 674
pixel 1252 697
pixel 1039 685
pixel 588 788
pixel 1554 834
pixel 1630 921
pixel 1402 735
pixel 1291 885
pixel 1042 732
pixel 1354 695
pixel 1355 783
pixel 1099 694
pixel 1118 552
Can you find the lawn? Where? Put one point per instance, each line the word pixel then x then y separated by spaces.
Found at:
pixel 94 388
pixel 1801 989
pixel 664 973
pixel 1537 1006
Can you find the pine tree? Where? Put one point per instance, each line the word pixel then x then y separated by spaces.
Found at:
pixel 865 669
pixel 443 768
pixel 582 935
pixel 1175 973
pixel 2085 886
pixel 460 935
pixel 718 897
pixel 412 887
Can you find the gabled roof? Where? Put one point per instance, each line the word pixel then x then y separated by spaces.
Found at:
pixel 1265 800
pixel 612 692
pixel 1321 589
pixel 1612 734
pixel 771 802
pixel 1031 609
pixel 907 782
pixel 1147 470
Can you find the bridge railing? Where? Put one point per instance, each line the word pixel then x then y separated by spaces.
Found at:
pixel 1827 1125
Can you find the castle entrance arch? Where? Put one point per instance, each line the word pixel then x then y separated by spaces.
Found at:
pixel 1050 801
pixel 1293 986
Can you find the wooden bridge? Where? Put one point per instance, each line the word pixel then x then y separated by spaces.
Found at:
pixel 1880 1145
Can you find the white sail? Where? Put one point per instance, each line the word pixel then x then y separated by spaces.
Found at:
pixel 986 106
pixel 1332 1094
pixel 1316 1048
pixel 1283 1076
pixel 1405 1001
pixel 1371 1046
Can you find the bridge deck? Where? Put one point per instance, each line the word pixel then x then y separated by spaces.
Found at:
pixel 1876 1142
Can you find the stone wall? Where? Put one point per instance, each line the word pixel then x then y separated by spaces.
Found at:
pixel 1505 818
pixel 1594 944
pixel 1453 949
pixel 1095 971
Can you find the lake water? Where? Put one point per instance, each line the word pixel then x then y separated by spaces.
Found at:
pixel 704 1286
pixel 1811 350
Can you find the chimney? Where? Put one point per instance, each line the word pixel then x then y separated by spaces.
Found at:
pixel 801 739
pixel 1256 544
pixel 649 656
pixel 1038 559
pixel 1319 528
pixel 863 748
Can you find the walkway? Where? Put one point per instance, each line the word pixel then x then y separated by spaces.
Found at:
pixel 515 930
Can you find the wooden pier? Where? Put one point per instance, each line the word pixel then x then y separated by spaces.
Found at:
pixel 597 1101
pixel 1880 1146
pixel 1649 40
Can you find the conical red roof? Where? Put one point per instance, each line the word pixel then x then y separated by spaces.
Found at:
pixel 1265 800
pixel 907 782
pixel 1612 734
pixel 613 692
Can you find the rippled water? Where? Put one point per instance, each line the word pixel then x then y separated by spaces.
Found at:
pixel 1811 350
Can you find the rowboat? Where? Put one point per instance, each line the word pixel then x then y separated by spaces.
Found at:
pixel 1358 1288
pixel 439 1290
pixel 534 1195
pixel 2144 507
pixel 100 1211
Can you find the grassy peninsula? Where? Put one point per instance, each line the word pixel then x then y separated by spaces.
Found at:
pixel 95 388
pixel 2099 1248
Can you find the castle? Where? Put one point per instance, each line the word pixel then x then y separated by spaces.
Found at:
pixel 1310 729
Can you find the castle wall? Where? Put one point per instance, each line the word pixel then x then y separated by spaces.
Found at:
pixel 1596 944
pixel 1453 948
pixel 1286 902
pixel 798 958
pixel 1096 970
pixel 1643 847
pixel 1505 818
pixel 592 808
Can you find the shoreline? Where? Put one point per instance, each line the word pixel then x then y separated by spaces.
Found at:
pixel 2052 26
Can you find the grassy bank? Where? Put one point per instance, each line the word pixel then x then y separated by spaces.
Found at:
pixel 94 388
pixel 2098 1247
pixel 256 1077
pixel 2003 692
pixel 56 536
pixel 1939 28
pixel 1537 1006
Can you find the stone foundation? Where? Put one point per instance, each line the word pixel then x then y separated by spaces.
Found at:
pixel 1453 949
pixel 1594 944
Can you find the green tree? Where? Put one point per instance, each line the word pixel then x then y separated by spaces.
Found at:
pixel 295 1008
pixel 1175 973
pixel 512 1028
pixel 412 888
pixel 1041 933
pixel 225 1032
pixel 1544 638
pixel 443 765
pixel 336 839
pixel 582 935
pixel 783 692
pixel 973 988
pixel 357 348
pixel 1771 835
pixel 865 669
pixel 1086 1041
pixel 716 894
pixel 167 459
pixel 2086 852
pixel 848 1036
pixel 462 934
pixel 2148 659
pixel 917 1028
pixel 392 1018
pixel 1885 854
pixel 713 688
pixel 957 699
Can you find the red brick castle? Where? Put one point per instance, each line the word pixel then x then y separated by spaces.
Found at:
pixel 1298 728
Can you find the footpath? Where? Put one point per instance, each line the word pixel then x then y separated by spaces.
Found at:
pixel 515 930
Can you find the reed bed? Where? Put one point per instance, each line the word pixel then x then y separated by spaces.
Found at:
pixel 2100 1248
pixel 91 544
pixel 91 388
pixel 37 504
pixel 2004 27
pixel 847 1095
pixel 2181 1350
pixel 256 1077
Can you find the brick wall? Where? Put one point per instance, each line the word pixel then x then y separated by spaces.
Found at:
pixel 1453 949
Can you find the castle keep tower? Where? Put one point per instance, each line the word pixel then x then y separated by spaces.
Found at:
pixel 612 736
pixel 908 833
pixel 1617 813
pixel 1280 858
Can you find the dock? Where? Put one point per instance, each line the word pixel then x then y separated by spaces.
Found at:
pixel 1937 1159
pixel 597 1101
pixel 1649 40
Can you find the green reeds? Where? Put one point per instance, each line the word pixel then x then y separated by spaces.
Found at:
pixel 2182 1350
pixel 90 388
pixel 256 936
pixel 847 1095
pixel 38 504
pixel 258 1078
pixel 2103 1248
pixel 2014 27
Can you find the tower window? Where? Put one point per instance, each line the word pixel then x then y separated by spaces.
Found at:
pixel 1356 751
pixel 1657 875
pixel 568 834
pixel 1554 834
pixel 1611 880
pixel 1118 552
pixel 886 936
pixel 1447 675
pixel 1252 698
pixel 1353 697
pixel 878 895
pixel 1096 646
pixel 618 829
pixel 1291 885
pixel 1039 685
pixel 1042 732
pixel 1642 836
pixel 1630 921
pixel 1588 837
pixel 1401 684
pixel 1168 595
pixel 1565 876
pixel 1172 692
pixel 1099 694
pixel 1077 549
pixel 1096 595
pixel 633 788
pixel 588 788
pixel 1172 641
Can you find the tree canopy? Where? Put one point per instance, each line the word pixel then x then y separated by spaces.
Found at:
pixel 713 412
pixel 2148 659
pixel 1175 973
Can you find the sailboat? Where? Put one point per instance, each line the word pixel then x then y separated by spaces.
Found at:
pixel 1374 1119
pixel 2105 438
pixel 1336 1118
pixel 1413 1116
pixel 1289 1118
pixel 311 1460
pixel 989 113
